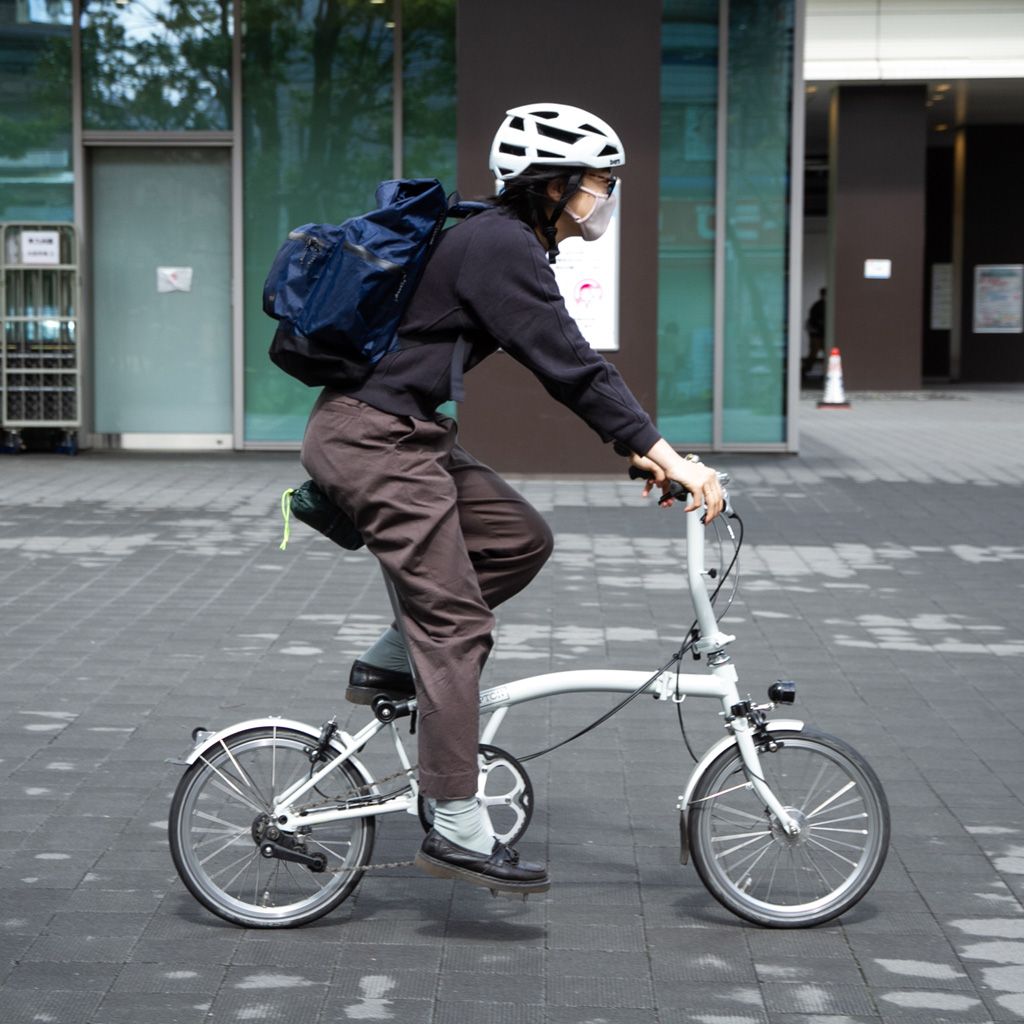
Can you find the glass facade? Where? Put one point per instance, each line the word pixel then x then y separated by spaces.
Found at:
pixel 36 178
pixel 754 249
pixel 757 221
pixel 163 65
pixel 686 241
pixel 336 96
pixel 319 118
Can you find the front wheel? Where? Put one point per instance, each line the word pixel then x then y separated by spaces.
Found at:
pixel 220 818
pixel 761 873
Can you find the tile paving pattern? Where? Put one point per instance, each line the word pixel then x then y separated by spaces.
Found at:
pixel 142 595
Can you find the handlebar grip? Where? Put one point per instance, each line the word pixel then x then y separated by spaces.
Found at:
pixel 675 490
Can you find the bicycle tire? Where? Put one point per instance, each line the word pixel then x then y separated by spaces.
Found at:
pixel 761 874
pixel 216 849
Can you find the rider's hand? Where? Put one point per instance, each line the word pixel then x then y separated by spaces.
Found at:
pixel 665 464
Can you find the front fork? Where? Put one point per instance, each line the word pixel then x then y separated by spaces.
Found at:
pixel 747 745
pixel 748 723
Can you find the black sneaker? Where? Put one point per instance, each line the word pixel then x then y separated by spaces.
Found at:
pixel 500 871
pixel 366 681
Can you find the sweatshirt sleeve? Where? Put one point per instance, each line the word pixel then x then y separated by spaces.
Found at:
pixel 507 287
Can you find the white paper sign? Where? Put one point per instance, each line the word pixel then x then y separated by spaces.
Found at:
pixel 174 279
pixel 879 270
pixel 588 278
pixel 40 248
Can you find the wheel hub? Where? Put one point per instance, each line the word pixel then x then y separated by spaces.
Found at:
pixel 800 836
pixel 263 827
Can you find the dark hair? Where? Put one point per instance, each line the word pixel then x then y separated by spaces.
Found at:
pixel 526 197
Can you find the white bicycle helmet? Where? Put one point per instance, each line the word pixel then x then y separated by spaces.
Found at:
pixel 552 135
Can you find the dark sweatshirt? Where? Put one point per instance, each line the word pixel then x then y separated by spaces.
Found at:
pixel 489 281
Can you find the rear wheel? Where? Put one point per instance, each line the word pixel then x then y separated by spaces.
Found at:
pixel 758 871
pixel 221 819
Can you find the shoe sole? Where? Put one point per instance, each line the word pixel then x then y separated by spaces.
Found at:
pixel 366 694
pixel 442 869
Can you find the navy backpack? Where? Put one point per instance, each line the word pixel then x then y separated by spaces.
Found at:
pixel 339 291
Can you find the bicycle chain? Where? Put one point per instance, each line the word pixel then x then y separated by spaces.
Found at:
pixel 364 790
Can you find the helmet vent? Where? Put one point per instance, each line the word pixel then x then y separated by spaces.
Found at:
pixel 516 123
pixel 591 128
pixel 507 147
pixel 549 131
pixel 608 151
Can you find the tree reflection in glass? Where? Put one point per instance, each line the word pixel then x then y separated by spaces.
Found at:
pixel 156 65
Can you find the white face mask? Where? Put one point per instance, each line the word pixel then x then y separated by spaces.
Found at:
pixel 596 222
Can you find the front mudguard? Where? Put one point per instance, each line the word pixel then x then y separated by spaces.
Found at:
pixel 781 724
pixel 208 740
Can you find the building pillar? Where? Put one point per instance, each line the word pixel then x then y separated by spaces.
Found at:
pixel 877 212
pixel 531 52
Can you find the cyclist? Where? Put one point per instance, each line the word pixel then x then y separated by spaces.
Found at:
pixel 454 537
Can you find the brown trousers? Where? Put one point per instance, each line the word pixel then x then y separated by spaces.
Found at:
pixel 456 540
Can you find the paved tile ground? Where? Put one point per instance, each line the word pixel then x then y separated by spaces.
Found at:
pixel 142 595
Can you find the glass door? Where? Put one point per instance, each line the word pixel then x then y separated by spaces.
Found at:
pixel 161 295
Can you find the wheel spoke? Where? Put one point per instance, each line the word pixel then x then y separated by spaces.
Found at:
pixel 831 799
pixel 739 846
pixel 268 804
pixel 232 788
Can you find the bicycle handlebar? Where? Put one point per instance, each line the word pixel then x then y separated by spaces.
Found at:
pixel 678 491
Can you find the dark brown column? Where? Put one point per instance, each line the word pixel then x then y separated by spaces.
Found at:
pixel 591 56
pixel 877 211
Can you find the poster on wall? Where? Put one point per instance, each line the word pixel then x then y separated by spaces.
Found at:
pixel 999 299
pixel 588 278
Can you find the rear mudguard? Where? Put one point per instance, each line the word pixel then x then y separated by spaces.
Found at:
pixel 276 723
pixel 787 724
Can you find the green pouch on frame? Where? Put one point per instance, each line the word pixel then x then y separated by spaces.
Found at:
pixel 310 505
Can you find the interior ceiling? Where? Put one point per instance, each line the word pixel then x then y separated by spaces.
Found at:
pixel 975 102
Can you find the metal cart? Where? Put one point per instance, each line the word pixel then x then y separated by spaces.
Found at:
pixel 40 344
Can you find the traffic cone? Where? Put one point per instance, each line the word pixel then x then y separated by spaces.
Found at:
pixel 834 397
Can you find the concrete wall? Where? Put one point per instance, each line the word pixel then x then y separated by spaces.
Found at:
pixel 914 39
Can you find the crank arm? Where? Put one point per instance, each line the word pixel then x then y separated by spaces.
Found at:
pixel 316 862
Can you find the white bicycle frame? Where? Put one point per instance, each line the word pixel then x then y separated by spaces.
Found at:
pixel 668 685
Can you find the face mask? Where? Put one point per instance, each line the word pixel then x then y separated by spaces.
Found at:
pixel 595 223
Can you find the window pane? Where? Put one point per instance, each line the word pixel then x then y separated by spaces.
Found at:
pixel 318 136
pixel 689 96
pixel 428 84
pixel 757 236
pixel 35 111
pixel 158 65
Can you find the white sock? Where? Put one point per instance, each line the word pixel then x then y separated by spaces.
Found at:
pixel 388 651
pixel 462 822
